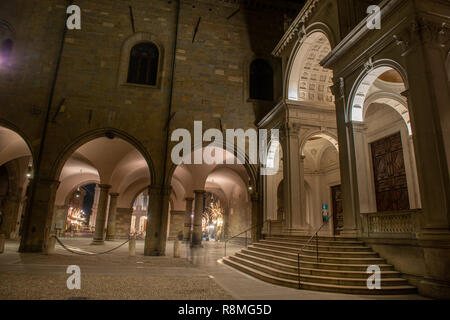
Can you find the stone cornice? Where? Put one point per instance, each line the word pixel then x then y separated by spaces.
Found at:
pixel 272 114
pixel 297 28
pixel 354 36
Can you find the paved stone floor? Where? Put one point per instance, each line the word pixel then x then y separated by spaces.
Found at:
pixel 197 274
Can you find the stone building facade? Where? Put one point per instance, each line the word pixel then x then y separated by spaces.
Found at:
pixel 345 97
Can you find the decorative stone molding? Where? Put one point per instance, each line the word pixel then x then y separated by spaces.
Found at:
pixel 369 65
pixel 338 89
pixel 395 224
pixel 297 29
pixel 429 32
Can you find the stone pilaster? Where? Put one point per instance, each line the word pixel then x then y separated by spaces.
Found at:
pixel 257 218
pixel 347 160
pixel 293 203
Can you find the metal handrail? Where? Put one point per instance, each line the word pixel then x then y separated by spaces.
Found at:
pixel 245 231
pixel 316 235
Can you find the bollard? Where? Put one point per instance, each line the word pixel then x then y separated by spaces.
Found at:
pixel 51 242
pixel 2 243
pixel 132 246
pixel 176 248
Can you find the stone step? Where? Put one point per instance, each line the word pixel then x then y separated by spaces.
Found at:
pixel 385 290
pixel 314 264
pixel 314 278
pixel 321 241
pixel 332 238
pixel 315 271
pixel 321 247
pixel 308 258
pixel 312 251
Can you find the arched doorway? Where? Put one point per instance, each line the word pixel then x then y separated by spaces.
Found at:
pixel 320 155
pixel 16 168
pixel 119 170
pixel 384 148
pixel 211 196
pixel 307 79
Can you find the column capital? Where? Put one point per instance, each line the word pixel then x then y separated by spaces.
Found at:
pixel 104 186
pixel 290 129
pixel 338 88
pixel 114 195
pixel 189 199
pixel 199 191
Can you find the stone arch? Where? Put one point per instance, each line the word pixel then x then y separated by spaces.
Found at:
pixel 332 138
pixel 104 132
pixel 304 67
pixel 364 81
pixel 128 44
pixel 27 142
pixel 396 102
pixel 251 170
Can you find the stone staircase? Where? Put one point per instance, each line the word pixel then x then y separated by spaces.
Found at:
pixel 341 266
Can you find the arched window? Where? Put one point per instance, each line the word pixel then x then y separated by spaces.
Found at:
pixel 6 49
pixel 143 66
pixel 261 80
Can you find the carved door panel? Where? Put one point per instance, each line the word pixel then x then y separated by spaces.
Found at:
pixel 338 212
pixel 389 174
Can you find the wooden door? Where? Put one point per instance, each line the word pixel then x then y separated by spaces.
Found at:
pixel 389 174
pixel 338 212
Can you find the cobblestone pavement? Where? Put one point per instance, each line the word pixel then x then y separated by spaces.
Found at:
pixel 110 276
pixel 197 274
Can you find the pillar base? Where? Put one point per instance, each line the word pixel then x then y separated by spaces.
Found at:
pixel 97 242
pixel 111 238
pixel 194 246
pixel 434 289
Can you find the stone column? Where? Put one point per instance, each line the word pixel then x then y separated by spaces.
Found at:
pixel 156 233
pixel 152 233
pixel 188 219
pixel 94 206
pixel 295 216
pixel 198 214
pixel 38 217
pixel 101 214
pixel 11 206
pixel 176 223
pixel 111 230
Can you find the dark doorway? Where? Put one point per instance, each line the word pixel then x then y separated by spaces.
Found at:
pixel 338 212
pixel 389 174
